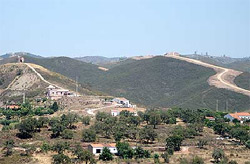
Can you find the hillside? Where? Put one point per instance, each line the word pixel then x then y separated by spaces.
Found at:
pixel 18 78
pixel 99 60
pixel 155 82
pixel 240 64
pixel 243 81
pixel 9 55
pixel 164 82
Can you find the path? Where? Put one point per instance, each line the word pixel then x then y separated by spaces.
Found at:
pixel 224 77
pixel 38 74
pixel 91 111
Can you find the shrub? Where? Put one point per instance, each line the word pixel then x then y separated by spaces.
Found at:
pixel 67 134
pixel 106 155
pixel 88 135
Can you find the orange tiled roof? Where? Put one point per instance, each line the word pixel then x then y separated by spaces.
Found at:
pixel 96 145
pixel 237 115
pixel 103 145
pixel 209 117
pixel 13 106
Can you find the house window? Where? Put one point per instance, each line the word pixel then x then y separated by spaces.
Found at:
pixel 98 151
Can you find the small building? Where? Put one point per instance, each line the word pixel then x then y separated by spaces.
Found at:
pixel 124 102
pixel 210 118
pixel 20 59
pixel 117 111
pixel 242 116
pixel 96 149
pixel 13 107
pixel 56 93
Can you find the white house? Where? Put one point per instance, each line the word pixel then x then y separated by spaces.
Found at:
pixel 116 111
pixel 96 149
pixel 242 116
pixel 124 102
pixel 56 93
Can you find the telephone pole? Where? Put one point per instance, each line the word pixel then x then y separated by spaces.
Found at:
pixel 24 97
pixel 76 85
pixel 217 105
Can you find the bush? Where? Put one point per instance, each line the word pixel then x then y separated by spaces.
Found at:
pixel 248 144
pixel 197 160
pixel 67 134
pixel 61 159
pixel 218 154
pixel 88 135
pixel 45 147
pixel 106 155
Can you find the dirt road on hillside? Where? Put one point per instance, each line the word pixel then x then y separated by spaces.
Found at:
pixel 224 77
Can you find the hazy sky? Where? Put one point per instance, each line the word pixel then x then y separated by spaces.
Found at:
pixel 125 27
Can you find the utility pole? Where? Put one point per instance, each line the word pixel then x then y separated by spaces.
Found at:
pixel 217 105
pixel 227 105
pixel 24 97
pixel 76 85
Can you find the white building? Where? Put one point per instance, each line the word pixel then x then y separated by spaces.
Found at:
pixel 96 149
pixel 56 93
pixel 242 116
pixel 124 102
pixel 116 112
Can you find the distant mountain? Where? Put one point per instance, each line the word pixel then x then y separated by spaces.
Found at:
pixel 9 55
pixel 100 60
pixel 241 64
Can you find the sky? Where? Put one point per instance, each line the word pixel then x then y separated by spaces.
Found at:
pixel 125 27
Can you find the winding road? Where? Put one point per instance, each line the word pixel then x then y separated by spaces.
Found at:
pixel 224 77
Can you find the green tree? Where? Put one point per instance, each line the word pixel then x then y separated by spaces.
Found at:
pixel 124 150
pixel 165 156
pixel 45 147
pixel 140 153
pixel 155 119
pixel 61 159
pixel 101 116
pixel 88 135
pixel 86 120
pixel 57 128
pixel 54 107
pixel 27 127
pixel 106 155
pixel 67 134
pixel 83 155
pixel 8 146
pixel 147 134
pixel 218 154
pixel 60 147
pixel 174 142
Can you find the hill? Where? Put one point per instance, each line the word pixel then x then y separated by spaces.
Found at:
pixel 9 55
pixel 155 82
pixel 166 82
pixel 99 60
pixel 17 79
pixel 240 64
